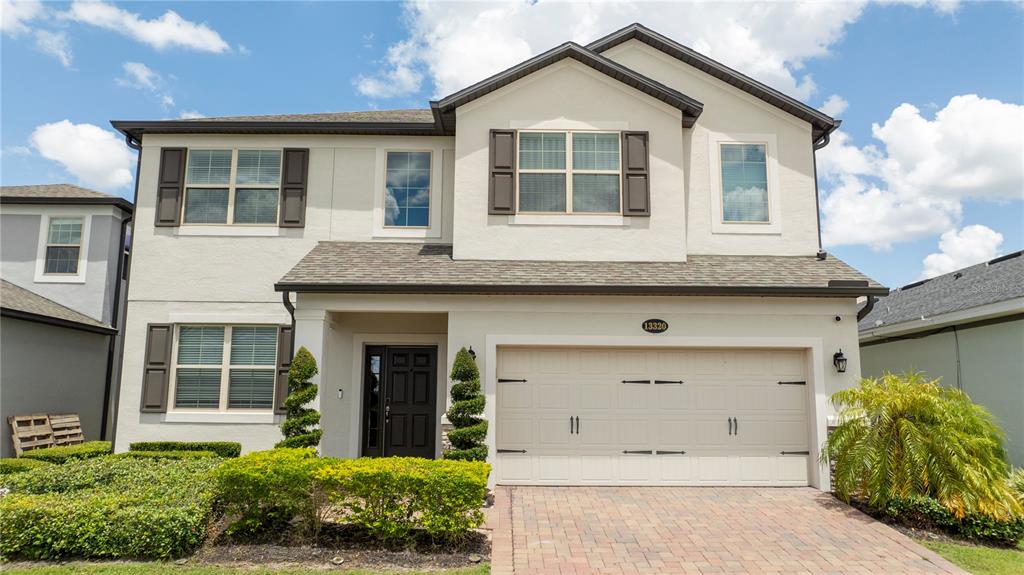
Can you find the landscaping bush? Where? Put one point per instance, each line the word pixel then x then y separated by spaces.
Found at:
pixel 165 454
pixel 300 424
pixel 1017 483
pixel 221 448
pixel 902 437
pixel 391 497
pixel 467 405
pixel 107 508
pixel 270 488
pixel 8 466
pixel 67 453
pixel 926 512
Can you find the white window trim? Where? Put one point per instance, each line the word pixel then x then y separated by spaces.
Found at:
pixel 225 375
pixel 718 225
pixel 83 252
pixel 569 171
pixel 232 186
pixel 435 203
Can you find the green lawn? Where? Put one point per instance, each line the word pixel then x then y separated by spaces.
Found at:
pixel 981 560
pixel 154 568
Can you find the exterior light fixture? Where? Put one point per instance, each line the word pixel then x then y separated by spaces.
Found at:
pixel 839 360
pixel 472 353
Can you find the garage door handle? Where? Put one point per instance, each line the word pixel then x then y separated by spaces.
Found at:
pixel 667 382
pixel 637 452
pixel 730 425
pixel 647 381
pixel 735 426
pixel 570 426
pixel 577 425
pixel 794 453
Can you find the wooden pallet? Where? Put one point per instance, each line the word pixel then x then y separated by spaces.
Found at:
pixel 67 429
pixel 30 432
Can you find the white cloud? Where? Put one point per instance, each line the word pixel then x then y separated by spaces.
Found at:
pixel 834 105
pixel 959 249
pixel 55 44
pixel 96 157
pixel 190 115
pixel 141 77
pixel 16 151
pixel 16 14
pixel 459 43
pixel 913 185
pixel 169 30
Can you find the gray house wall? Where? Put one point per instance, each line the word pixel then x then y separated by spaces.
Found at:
pixel 48 369
pixel 991 371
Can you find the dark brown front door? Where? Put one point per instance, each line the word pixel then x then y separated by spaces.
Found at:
pixel 399 401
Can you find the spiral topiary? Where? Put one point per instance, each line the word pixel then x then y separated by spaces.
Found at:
pixel 300 424
pixel 470 429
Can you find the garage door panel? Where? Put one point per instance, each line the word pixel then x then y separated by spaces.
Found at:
pixel 553 468
pixel 553 362
pixel 790 399
pixel 788 363
pixel 596 362
pixel 633 434
pixel 673 363
pixel 710 363
pixel 552 396
pixel 753 396
pixel 711 433
pixel 674 434
pixel 515 396
pixel 631 362
pixel 672 398
pixel 601 397
pixel 710 397
pixel 790 435
pixel 600 433
pixel 552 432
pixel 633 396
pixel 515 432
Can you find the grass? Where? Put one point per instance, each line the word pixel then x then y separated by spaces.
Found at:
pixel 981 560
pixel 153 568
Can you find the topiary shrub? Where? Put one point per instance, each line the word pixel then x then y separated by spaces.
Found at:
pixel 67 453
pixel 469 429
pixel 221 448
pixel 901 437
pixel 300 424
pixel 9 466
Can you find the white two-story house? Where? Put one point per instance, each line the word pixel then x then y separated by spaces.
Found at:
pixel 625 234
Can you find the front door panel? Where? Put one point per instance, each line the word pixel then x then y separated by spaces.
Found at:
pixel 399 401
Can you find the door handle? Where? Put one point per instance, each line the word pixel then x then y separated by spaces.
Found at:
pixel 387 408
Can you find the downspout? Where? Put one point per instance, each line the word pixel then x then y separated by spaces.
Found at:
pixel 286 298
pixel 819 144
pixel 870 305
pixel 112 346
pixel 136 145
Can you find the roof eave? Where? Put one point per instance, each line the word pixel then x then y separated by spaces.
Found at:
pixel 120 203
pixel 55 321
pixel 136 128
pixel 585 289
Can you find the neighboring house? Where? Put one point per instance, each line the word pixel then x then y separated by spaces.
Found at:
pixel 540 217
pixel 61 261
pixel 965 328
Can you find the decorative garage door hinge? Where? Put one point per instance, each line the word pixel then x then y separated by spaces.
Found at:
pixel 660 452
pixel 637 452
pixel 645 381
pixel 794 453
pixel 792 383
pixel 503 380
pixel 668 382
pixel 511 451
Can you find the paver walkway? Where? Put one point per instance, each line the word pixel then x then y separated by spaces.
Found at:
pixel 562 530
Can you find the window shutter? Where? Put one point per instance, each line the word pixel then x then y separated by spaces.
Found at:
pixel 170 187
pixel 502 190
pixel 284 362
pixel 156 374
pixel 294 178
pixel 636 196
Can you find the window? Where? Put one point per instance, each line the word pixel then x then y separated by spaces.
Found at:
pixel 407 190
pixel 225 367
pixel 63 246
pixel 569 172
pixel 232 187
pixel 744 182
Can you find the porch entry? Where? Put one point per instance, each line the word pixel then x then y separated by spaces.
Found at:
pixel 399 401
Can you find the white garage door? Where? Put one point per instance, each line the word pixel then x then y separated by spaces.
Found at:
pixel 605 416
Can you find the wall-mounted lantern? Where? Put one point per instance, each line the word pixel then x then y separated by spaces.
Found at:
pixel 839 360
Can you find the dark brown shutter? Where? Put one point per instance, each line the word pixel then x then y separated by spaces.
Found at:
pixel 284 362
pixel 502 190
pixel 156 375
pixel 294 178
pixel 170 187
pixel 636 194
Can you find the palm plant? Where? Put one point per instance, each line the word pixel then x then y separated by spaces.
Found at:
pixel 901 436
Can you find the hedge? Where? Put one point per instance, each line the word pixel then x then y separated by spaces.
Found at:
pixel 86 450
pixel 221 448
pixel 918 511
pixel 164 455
pixel 8 466
pixel 108 507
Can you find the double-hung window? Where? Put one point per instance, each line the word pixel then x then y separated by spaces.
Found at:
pixel 569 172
pixel 225 367
pixel 238 186
pixel 744 182
pixel 63 246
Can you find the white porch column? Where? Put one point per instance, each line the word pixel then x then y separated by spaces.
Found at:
pixel 311 327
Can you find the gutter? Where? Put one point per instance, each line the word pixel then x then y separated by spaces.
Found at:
pixel 870 305
pixel 117 202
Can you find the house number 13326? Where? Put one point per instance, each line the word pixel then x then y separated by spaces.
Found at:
pixel 655 326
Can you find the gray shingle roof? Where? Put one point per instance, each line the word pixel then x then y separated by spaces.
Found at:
pixel 414 115
pixel 59 194
pixel 994 281
pixel 348 267
pixel 27 304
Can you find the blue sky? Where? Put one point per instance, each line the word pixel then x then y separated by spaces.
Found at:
pixel 68 70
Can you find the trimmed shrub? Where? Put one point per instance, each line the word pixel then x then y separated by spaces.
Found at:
pixel 924 511
pixel 164 454
pixel 8 466
pixel 67 453
pixel 221 448
pixel 391 497
pixel 300 424
pixel 469 429
pixel 267 489
pixel 107 507
pixel 901 437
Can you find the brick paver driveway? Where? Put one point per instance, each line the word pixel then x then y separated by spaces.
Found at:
pixel 560 530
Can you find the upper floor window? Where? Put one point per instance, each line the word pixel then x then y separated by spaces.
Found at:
pixel 407 189
pixel 232 187
pixel 569 172
pixel 225 367
pixel 744 182
pixel 63 246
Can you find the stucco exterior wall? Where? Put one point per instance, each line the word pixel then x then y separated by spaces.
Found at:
pixel 34 379
pixel 991 369
pixel 730 113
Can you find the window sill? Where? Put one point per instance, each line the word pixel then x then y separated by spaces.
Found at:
pixel 567 220
pixel 227 230
pixel 773 228
pixel 59 279
pixel 219 417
